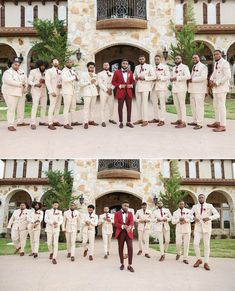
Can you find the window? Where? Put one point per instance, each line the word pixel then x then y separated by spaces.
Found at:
pixel 28 16
pixel 19 168
pixel 204 13
pixel 218 169
pixel 62 13
pixel 22 16
pixel 179 19
pixel 55 12
pixel 224 221
pixel 45 168
pixel 2 16
pixel 218 13
pixel 192 170
pixel 166 169
pixel 211 13
pixel 35 12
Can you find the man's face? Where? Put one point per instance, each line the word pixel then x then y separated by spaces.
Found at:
pixel 36 206
pixel 201 199
pixel 181 205
pixel 125 65
pixel 178 60
pixel 22 206
pixel 217 56
pixel 195 59
pixel 125 206
pixel 91 69
pixel 15 66
pixel 160 204
pixel 42 68
pixel 157 60
pixel 55 63
pixel 106 210
pixel 144 207
pixel 69 64
pixel 106 66
pixel 90 210
pixel 55 205
pixel 141 60
pixel 72 206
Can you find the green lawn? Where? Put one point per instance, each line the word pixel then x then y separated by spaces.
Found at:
pixel 220 248
pixel 209 113
pixel 6 249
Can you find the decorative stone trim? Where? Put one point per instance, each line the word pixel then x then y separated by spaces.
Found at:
pixel 24 181
pixel 18 31
pixel 213 28
pixel 209 182
pixel 120 174
pixel 127 23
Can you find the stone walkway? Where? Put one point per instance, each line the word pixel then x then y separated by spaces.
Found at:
pixel 112 142
pixel 27 274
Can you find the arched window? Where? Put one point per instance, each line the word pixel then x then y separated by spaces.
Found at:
pixel 28 16
pixel 35 12
pixel 2 16
pixel 211 13
pixel 62 13
pixel 179 19
pixel 204 13
pixel 22 16
pixel 218 169
pixel 218 13
pixel 166 169
pixel 55 12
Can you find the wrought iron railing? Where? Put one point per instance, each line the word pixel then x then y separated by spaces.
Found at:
pixel 108 164
pixel 107 9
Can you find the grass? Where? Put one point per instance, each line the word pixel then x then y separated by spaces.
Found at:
pixel 209 112
pixel 8 249
pixel 220 248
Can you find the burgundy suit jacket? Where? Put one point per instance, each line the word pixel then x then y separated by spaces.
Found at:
pixel 119 80
pixel 118 222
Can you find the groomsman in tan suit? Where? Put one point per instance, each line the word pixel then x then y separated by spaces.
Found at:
pixel 203 213
pixel 197 87
pixel 53 220
pixel 159 91
pixel 88 83
pixel 219 82
pixel 90 221
pixel 106 93
pixel 18 224
pixel 71 226
pixel 182 218
pixel 143 218
pixel 69 78
pixel 14 87
pixel 39 93
pixel 143 74
pixel 35 218
pixel 106 220
pixel 180 76
pixel 162 217
pixel 54 84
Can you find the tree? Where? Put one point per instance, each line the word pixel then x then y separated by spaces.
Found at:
pixel 60 189
pixel 186 45
pixel 172 193
pixel 52 41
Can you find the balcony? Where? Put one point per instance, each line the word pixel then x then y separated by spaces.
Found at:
pixel 121 14
pixel 122 169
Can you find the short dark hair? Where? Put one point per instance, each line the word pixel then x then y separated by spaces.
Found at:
pixel 196 55
pixel 141 56
pixel 40 63
pixel 55 202
pixel 54 59
pixel 125 60
pixel 90 64
pixel 144 204
pixel 23 203
pixel 35 203
pixel 91 206
pixel 218 51
pixel 125 201
pixel 201 194
pixel 158 56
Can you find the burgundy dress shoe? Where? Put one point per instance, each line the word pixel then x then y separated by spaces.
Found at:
pixel 68 255
pixel 192 123
pixel 162 258
pixel 35 256
pixel 22 254
pixel 197 264
pixel 144 123
pixel 103 124
pixel 23 124
pixel 206 267
pixel 185 261
pixel 54 262
pixel 177 257
pixel 72 259
pixel 181 125
pixel 130 269
pixel 121 125
pixel 128 124
pixel 57 124
pixel 122 267
pixel 11 128
pixel 86 126
pixel 147 256
pixel 219 129
pixel 176 122
pixel 90 258
pixel 67 126
pixel 213 125
pixel 85 253
pixel 197 127
pixel 139 253
pixel 93 123
pixel 106 257
pixel 161 123
pixel 76 123
pixel 31 254
pixel 33 126
pixel 51 256
pixel 51 127
pixel 138 122
pixel 43 124
pixel 154 120
pixel 112 121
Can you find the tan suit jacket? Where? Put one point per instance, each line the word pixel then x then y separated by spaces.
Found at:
pixel 162 78
pixel 148 74
pixel 88 89
pixel 18 220
pixel 51 217
pixel 69 78
pixel 107 226
pixel 71 223
pixel 182 74
pixel 165 215
pixel 34 216
pixel 105 81
pixel 93 219
pixel 221 76
pixel 199 79
pixel 12 82
pixel 34 78
pixel 140 215
pixel 53 79
pixel 187 215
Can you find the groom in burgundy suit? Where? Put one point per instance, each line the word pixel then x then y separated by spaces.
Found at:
pixel 123 81
pixel 124 223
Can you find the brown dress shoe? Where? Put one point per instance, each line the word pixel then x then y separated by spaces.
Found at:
pixel 197 127
pixel 51 127
pixel 145 123
pixel 67 126
pixel 31 254
pixel 16 251
pixel 76 123
pixel 103 124
pixel 213 125
pixel 22 254
pixel 177 257
pixel 85 253
pixel 161 123
pixel 138 122
pixel 122 267
pixel 154 120
pixel 206 267
pixel 147 256
pixel 130 269
pixel 57 124
pixel 86 126
pixel 23 124
pixel 219 129
pixel 11 128
pixel 185 261
pixel 54 261
pixel 181 125
pixel 90 258
pixel 51 256
pixel 162 258
pixel 112 121
pixel 198 263
pixel 139 253
pixel 128 124
pixel 35 256
pixel 33 126
pixel 43 123
pixel 72 259
pixel 93 123
pixel 176 122
pixel 106 257
pixel 121 125
pixel 192 123
pixel 68 255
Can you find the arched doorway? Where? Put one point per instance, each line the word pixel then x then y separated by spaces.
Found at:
pixel 206 55
pixel 189 199
pixel 114 55
pixel 220 201
pixel 7 55
pixel 231 59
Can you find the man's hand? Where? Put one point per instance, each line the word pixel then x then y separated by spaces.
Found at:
pixel 122 86
pixel 129 86
pixel 159 220
pixel 53 94
pixel 59 86
pixel 93 81
pixel 206 219
pixel 190 80
pixel 39 85
pixel 55 224
pixel 165 219
pixel 141 78
pixel 196 219
pixel 110 91
pixel 173 79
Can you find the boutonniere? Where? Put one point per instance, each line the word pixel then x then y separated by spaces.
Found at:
pixel 160 69
pixel 56 213
pixel 183 213
pixel 204 209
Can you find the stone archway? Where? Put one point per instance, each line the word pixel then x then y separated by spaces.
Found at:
pixel 114 54
pixel 231 60
pixel 206 55
pixel 7 55
pixel 189 198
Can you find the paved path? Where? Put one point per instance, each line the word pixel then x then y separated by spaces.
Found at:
pixel 112 142
pixel 28 274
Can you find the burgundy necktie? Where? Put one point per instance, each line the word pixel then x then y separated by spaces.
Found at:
pixel 194 68
pixel 54 211
pixel 161 212
pixel 21 213
pixel 176 70
pixel 201 208
pixel 216 66
pixel 141 69
pixel 181 212
pixel 72 214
